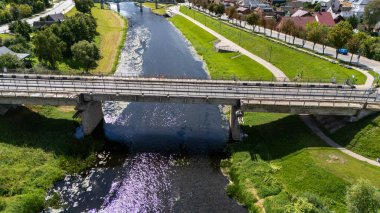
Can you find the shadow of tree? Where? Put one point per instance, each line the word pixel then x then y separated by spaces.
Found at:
pixel 26 128
pixel 277 139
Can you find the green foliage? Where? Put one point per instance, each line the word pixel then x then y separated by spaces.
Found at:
pixel 86 54
pixel 219 9
pixel 253 19
pixel 363 197
pixel 84 6
pixel 339 35
pixel 220 65
pixel 354 21
pixel 353 45
pixel 18 44
pixel 316 33
pixel 285 58
pixel 10 61
pixel 372 14
pixel 37 149
pixel 22 28
pixel 15 10
pixel 317 7
pixel 48 47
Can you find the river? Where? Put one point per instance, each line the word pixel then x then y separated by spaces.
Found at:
pixel 164 157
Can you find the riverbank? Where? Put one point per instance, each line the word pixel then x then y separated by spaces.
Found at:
pixel 220 65
pixel 281 164
pixel 38 148
pixel 161 10
pixel 112 29
pixel 295 64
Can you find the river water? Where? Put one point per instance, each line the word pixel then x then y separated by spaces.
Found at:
pixel 166 156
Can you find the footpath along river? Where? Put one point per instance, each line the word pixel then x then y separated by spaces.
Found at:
pixel 165 157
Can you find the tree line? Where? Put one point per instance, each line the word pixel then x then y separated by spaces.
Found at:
pixel 342 35
pixel 11 10
pixel 72 40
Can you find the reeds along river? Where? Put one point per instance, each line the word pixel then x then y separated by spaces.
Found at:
pixel 172 155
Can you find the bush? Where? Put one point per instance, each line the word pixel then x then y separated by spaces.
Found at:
pixel 10 61
pixel 363 197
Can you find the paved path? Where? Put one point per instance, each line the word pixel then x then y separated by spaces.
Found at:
pixel 278 74
pixel 309 121
pixel 61 7
pixel 329 51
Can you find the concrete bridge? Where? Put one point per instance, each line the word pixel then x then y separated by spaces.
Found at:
pixel 87 94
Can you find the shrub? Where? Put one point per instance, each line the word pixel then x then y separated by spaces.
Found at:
pixel 363 197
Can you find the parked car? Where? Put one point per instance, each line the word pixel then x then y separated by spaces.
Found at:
pixel 342 51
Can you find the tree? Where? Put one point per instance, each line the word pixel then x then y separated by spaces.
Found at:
pixel 353 45
pixel 48 47
pixel 339 35
pixel 22 28
pixel 10 61
pixel 324 36
pixel 317 7
pixel 314 33
pixel 84 6
pixel 372 14
pixel 86 54
pixel 18 44
pixel 271 24
pixel 263 23
pixel 219 9
pixel 253 20
pixel 354 21
pixel 288 27
pixel 231 12
pixel 15 13
pixel 363 197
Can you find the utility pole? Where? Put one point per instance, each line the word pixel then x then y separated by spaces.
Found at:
pixel 141 9
pixel 156 4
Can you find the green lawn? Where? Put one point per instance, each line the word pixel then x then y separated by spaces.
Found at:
pixel 220 65
pixel 161 10
pixel 281 163
pixel 290 61
pixel 37 148
pixel 362 137
pixel 112 30
pixel 4 36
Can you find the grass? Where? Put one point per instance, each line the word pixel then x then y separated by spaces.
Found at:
pixel 362 137
pixel 283 165
pixel 4 36
pixel 37 148
pixel 220 65
pixel 290 61
pixel 112 30
pixel 161 10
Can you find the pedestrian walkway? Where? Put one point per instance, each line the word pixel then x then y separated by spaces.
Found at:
pixel 309 121
pixel 278 74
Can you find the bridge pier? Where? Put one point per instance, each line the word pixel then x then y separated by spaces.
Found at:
pixel 91 114
pixel 234 124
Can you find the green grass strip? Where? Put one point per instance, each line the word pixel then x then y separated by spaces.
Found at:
pixel 220 65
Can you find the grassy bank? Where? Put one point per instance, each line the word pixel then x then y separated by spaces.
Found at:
pixel 281 165
pixel 161 10
pixel 220 65
pixel 37 148
pixel 112 29
pixel 362 137
pixel 290 61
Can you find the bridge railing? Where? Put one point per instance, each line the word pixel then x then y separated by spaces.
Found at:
pixel 316 81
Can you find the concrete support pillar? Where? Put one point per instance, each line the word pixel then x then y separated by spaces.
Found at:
pixel 234 124
pixel 91 114
pixel 361 114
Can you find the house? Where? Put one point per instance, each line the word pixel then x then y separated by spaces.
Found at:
pixel 4 50
pixel 324 18
pixel 301 13
pixel 250 4
pixel 243 10
pixel 290 7
pixel 265 10
pixel 49 20
pixel 327 4
pixel 358 7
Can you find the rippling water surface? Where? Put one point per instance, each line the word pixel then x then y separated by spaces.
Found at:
pixel 170 153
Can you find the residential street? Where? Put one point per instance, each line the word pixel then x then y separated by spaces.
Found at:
pixel 61 7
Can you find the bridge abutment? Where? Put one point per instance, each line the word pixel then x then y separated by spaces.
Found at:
pixel 91 114
pixel 234 124
pixel 5 107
